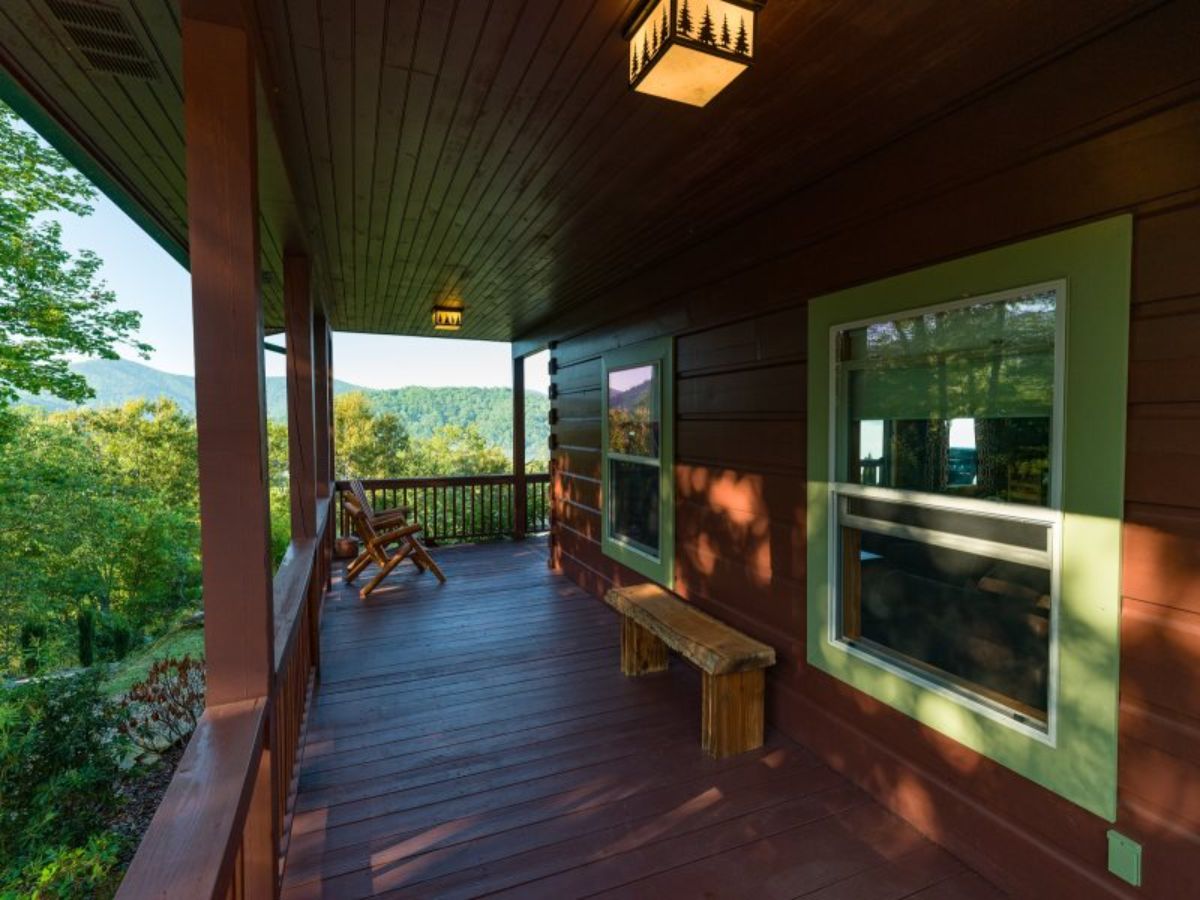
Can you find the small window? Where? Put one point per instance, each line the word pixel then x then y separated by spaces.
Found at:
pixel 637 460
pixel 945 496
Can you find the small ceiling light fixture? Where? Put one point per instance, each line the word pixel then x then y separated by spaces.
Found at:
pixel 689 50
pixel 447 318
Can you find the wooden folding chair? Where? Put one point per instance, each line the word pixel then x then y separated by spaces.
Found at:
pixel 382 519
pixel 376 546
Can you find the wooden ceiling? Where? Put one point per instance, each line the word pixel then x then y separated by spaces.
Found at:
pixel 489 150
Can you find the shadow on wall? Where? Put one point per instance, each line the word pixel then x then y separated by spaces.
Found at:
pixel 741 551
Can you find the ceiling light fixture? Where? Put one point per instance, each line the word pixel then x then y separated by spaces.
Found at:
pixel 447 318
pixel 690 50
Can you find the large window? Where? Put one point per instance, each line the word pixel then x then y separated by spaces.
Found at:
pixel 945 495
pixel 966 457
pixel 636 474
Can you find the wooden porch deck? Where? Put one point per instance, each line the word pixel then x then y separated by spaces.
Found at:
pixel 478 738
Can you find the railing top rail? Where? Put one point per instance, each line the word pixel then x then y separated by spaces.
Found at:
pixel 442 480
pixel 190 847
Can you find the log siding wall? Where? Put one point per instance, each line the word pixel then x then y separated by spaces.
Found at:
pixel 1112 126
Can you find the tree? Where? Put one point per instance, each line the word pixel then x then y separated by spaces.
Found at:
pixel 725 32
pixel 368 444
pixel 456 450
pixel 707 34
pixel 51 303
pixel 685 19
pixel 665 31
pixel 742 44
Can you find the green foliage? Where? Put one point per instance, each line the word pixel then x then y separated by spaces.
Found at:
pixel 163 710
pixel 98 511
pixel 185 640
pixel 51 303
pixel 93 870
pixel 368 443
pixel 421 410
pixel 58 766
pixel 86 622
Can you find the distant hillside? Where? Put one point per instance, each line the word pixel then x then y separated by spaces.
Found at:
pixel 422 409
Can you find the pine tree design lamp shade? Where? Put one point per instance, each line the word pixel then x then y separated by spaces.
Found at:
pixel 690 50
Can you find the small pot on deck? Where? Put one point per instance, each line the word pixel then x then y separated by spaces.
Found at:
pixel 345 547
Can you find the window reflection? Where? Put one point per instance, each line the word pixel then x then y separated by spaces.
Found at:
pixel 634 504
pixel 958 401
pixel 633 416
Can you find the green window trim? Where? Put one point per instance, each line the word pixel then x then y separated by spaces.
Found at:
pixel 1078 758
pixel 660 353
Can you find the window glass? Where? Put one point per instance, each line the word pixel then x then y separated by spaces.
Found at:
pixel 637 497
pixel 957 401
pixel 634 504
pixel 945 423
pixel 980 620
pixel 633 411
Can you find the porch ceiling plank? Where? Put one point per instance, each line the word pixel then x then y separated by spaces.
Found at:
pixel 503 42
pixel 433 34
pixel 867 109
pixel 540 148
pixel 365 68
pixel 97 107
pixel 293 31
pixel 465 37
pixel 493 151
pixel 399 35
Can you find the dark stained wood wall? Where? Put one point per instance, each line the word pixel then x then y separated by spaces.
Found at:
pixel 1113 126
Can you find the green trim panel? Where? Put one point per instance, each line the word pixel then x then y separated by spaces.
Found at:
pixel 1080 762
pixel 37 118
pixel 662 352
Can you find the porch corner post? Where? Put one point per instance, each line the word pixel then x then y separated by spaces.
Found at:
pixel 322 344
pixel 520 487
pixel 302 464
pixel 323 381
pixel 219 83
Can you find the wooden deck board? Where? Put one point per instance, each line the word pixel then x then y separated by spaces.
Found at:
pixel 478 738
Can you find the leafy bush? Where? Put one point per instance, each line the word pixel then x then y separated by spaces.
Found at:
pixel 163 710
pixel 58 766
pixel 86 620
pixel 115 637
pixel 93 870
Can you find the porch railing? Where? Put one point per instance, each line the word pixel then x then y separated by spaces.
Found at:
pixel 460 508
pixel 223 823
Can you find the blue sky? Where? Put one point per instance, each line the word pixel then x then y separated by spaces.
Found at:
pixel 147 279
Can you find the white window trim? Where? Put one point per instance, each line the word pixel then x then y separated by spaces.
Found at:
pixel 1050 515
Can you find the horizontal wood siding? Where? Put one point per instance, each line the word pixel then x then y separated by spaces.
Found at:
pixel 1111 127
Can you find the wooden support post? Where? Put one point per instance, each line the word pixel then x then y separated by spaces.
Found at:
pixel 222 177
pixel 298 318
pixel 323 413
pixel 731 718
pixel 520 486
pixel 219 85
pixel 642 651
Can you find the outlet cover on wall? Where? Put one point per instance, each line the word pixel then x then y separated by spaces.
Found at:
pixel 1125 858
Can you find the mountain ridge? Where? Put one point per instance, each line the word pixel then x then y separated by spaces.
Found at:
pixel 422 409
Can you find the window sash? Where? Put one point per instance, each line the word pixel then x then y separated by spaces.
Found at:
pixel 840 421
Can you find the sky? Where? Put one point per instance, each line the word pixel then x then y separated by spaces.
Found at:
pixel 146 278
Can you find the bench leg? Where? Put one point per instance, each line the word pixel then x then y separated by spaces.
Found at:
pixel 641 650
pixel 732 713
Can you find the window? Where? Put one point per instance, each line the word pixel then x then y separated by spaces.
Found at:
pixel 637 476
pixel 966 460
pixel 944 499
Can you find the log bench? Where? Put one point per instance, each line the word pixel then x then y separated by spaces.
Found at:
pixel 731 707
